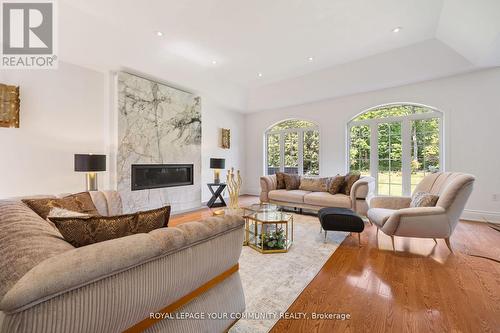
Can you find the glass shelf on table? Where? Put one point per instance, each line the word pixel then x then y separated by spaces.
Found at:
pixel 259 208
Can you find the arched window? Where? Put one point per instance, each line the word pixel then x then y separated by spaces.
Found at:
pixel 292 146
pixel 398 144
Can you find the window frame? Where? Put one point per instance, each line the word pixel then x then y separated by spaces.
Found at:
pixel 406 126
pixel 300 132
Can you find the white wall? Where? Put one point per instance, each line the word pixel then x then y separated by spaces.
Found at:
pixel 471 106
pixel 215 117
pixel 62 113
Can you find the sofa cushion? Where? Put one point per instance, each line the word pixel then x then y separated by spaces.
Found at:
pixel 295 196
pixel 25 240
pixel 280 181
pixel 292 182
pixel 379 216
pixel 336 184
pixel 423 199
pixel 79 202
pixel 325 199
pixel 61 212
pixel 152 219
pixel 350 179
pixel 314 184
pixel 81 231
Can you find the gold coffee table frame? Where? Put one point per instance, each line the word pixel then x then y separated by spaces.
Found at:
pixel 251 213
pixel 260 223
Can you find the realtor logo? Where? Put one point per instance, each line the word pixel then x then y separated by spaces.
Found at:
pixel 28 30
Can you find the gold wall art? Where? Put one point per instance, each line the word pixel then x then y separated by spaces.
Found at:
pixel 233 187
pixel 9 106
pixel 226 138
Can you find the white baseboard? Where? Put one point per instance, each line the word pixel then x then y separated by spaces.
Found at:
pixel 480 216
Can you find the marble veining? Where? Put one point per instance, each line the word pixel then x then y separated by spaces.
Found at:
pixel 157 124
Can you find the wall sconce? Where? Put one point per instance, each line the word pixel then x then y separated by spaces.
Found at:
pixel 9 106
pixel 226 138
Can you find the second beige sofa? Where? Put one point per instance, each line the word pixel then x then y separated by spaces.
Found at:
pixel 357 200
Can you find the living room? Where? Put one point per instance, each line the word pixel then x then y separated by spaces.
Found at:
pixel 349 146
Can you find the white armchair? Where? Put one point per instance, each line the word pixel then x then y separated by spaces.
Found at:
pixel 395 217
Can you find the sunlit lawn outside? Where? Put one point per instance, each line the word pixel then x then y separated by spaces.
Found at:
pixel 396 181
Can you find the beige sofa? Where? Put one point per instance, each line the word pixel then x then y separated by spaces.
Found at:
pixel 47 285
pixel 361 190
pixel 394 216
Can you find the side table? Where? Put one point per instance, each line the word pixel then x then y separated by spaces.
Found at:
pixel 217 194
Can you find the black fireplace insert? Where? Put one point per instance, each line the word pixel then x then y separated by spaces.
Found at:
pixel 148 176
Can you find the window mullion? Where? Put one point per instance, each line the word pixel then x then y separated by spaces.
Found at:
pixel 374 153
pixel 282 152
pixel 266 147
pixel 442 166
pixel 300 142
pixel 406 156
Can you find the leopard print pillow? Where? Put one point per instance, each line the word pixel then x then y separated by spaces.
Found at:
pixel 314 184
pixel 349 180
pixel 336 184
pixel 81 231
pixel 79 202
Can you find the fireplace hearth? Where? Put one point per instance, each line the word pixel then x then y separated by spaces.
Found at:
pixel 150 176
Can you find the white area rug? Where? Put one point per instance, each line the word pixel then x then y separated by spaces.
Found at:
pixel 272 282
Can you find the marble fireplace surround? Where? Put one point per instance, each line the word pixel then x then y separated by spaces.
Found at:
pixel 156 124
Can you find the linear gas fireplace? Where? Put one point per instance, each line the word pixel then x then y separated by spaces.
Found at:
pixel 148 176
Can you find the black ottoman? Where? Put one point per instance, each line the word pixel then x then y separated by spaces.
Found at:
pixel 340 219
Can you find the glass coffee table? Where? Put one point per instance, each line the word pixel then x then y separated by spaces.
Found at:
pixel 269 231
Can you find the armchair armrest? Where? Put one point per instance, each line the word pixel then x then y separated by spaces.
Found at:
pixel 267 184
pixel 418 222
pixel 390 202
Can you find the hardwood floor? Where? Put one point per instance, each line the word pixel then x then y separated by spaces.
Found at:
pixel 421 287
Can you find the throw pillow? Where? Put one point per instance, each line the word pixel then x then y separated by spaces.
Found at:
pixel 61 212
pixel 81 231
pixel 152 219
pixel 79 202
pixel 314 184
pixel 336 184
pixel 423 199
pixel 349 180
pixel 292 181
pixel 280 181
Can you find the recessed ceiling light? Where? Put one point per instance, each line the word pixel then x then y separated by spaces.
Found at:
pixel 310 59
pixel 159 33
pixel 397 29
pixel 214 62
pixel 259 74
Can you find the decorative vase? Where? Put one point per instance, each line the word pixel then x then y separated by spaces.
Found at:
pixel 233 187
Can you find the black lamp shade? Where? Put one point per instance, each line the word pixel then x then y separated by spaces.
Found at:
pixel 217 163
pixel 90 162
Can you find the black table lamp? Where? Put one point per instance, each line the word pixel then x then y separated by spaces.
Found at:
pixel 217 164
pixel 91 164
